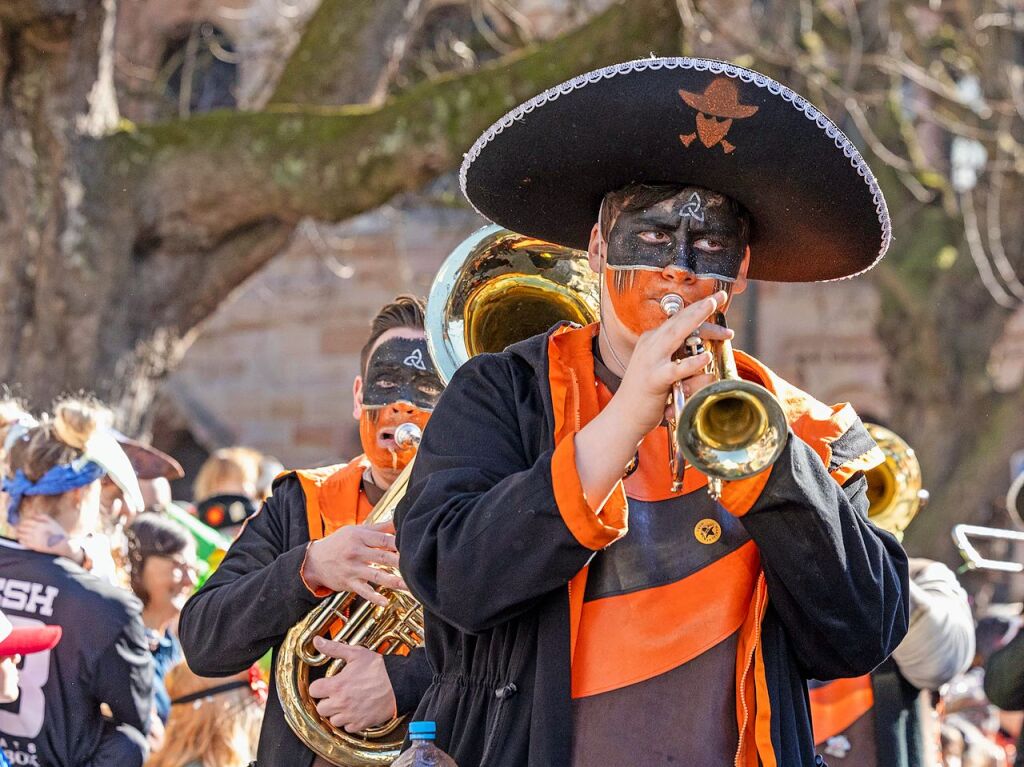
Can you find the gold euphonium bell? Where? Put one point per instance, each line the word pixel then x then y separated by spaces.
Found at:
pixel 496 288
pixel 895 492
pixel 730 429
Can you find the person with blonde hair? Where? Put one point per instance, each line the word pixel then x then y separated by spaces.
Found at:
pixel 213 722
pixel 52 484
pixel 226 489
pixel 229 470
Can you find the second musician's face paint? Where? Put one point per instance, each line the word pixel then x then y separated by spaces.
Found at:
pixel 400 370
pixel 400 386
pixel 377 434
pixel 700 233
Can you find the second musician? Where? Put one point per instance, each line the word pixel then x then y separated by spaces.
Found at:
pixel 578 611
pixel 273 574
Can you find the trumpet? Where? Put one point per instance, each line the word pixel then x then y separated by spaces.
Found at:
pixel 731 429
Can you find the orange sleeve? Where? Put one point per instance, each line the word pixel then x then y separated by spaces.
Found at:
pixel 319 591
pixel 593 529
pixel 868 460
pixel 740 495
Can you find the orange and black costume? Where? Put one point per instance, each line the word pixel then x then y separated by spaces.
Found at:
pixel 257 594
pixel 531 611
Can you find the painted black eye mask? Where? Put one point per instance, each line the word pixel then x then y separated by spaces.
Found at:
pixel 696 230
pixel 400 370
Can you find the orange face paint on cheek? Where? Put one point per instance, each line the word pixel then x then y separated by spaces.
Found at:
pixel 634 295
pixel 372 421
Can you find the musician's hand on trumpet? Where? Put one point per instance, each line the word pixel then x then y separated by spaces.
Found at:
pixel 656 364
pixel 345 559
pixel 607 444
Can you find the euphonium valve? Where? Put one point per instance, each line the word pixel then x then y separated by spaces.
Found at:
pixel 730 429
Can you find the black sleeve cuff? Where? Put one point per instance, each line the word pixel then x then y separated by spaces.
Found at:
pixel 410 677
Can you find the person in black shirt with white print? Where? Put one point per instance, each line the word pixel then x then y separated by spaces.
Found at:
pixel 53 483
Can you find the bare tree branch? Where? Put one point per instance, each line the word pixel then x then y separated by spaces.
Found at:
pixel 334 163
pixel 347 52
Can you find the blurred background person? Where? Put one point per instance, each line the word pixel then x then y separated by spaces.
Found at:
pixel 53 479
pixel 14 421
pixel 162 570
pixel 213 722
pixel 226 491
pixel 1004 683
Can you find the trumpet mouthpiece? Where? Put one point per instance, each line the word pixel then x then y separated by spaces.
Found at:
pixel 408 435
pixel 671 303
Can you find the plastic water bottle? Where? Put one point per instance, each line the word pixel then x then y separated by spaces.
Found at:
pixel 423 752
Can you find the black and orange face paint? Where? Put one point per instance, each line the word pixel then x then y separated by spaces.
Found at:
pixel 696 230
pixel 400 369
pixel 377 433
pixel 400 386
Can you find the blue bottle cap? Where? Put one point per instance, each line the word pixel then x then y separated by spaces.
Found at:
pixel 422 731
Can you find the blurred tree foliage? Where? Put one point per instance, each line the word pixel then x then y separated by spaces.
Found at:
pixel 934 93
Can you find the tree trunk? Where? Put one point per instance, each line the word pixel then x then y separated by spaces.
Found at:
pixel 54 265
pixel 113 249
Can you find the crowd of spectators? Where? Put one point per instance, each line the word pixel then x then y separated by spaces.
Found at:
pixel 96 562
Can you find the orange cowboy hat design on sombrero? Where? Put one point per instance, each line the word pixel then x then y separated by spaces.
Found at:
pixel 719 100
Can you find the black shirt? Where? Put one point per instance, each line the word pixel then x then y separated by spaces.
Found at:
pixel 102 657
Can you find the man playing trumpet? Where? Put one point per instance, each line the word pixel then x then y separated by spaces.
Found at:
pixel 579 612
pixel 308 541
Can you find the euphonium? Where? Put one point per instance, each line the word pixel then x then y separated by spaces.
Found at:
pixel 894 491
pixel 349 618
pixel 496 288
pixel 731 429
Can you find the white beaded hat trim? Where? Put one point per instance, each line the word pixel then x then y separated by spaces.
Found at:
pixel 701 65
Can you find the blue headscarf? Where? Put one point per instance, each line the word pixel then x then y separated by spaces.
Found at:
pixel 57 481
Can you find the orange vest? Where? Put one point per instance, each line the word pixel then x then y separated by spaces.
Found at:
pixel 838 704
pixel 334 496
pixel 574 404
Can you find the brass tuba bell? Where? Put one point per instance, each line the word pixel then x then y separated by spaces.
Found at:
pixel 895 492
pixel 499 287
pixel 496 288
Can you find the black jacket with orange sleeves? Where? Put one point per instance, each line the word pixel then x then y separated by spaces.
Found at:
pixel 485 547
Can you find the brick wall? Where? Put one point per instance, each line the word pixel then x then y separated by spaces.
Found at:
pixel 273 368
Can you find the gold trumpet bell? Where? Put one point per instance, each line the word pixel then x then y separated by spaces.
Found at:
pixel 732 429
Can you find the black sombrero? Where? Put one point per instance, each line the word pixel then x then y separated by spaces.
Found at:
pixel 817 210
